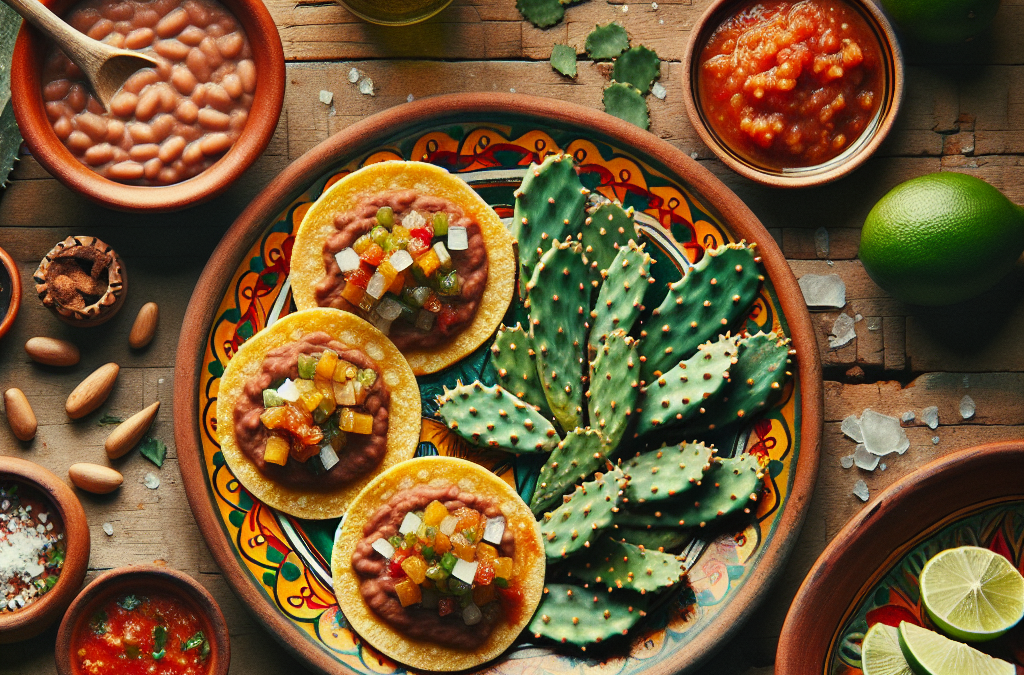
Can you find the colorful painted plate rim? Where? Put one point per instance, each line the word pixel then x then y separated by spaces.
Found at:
pixel 849 566
pixel 363 135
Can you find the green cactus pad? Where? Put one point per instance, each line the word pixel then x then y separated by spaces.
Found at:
pixel 549 207
pixel 492 417
pixel 606 229
pixel 563 60
pixel 620 565
pixel 666 473
pixel 639 66
pixel 614 386
pixel 579 616
pixel 515 361
pixel 625 101
pixel 714 293
pixel 607 41
pixel 762 366
pixel 581 517
pixel 559 304
pixel 656 538
pixel 729 487
pixel 541 13
pixel 681 393
pixel 579 454
pixel 620 299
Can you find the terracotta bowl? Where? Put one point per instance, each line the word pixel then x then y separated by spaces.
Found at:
pixel 140 579
pixel 37 616
pixel 26 93
pixel 892 537
pixel 892 58
pixel 10 291
pixel 105 307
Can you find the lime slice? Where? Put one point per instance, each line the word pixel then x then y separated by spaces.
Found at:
pixel 880 653
pixel 972 593
pixel 929 653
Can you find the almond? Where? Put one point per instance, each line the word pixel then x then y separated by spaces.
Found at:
pixel 128 433
pixel 95 478
pixel 52 352
pixel 92 392
pixel 20 415
pixel 144 327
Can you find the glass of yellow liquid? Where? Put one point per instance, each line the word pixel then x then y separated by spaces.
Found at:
pixel 395 12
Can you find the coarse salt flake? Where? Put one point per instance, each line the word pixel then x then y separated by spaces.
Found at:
pixel 326 97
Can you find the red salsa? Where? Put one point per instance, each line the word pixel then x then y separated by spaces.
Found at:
pixel 791 84
pixel 142 635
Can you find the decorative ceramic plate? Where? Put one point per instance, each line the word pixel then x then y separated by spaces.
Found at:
pixel 280 565
pixel 869 573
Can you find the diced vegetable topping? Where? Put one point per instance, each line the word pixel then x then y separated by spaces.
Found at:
pixel 348 260
pixel 494 530
pixel 410 524
pixel 383 547
pixel 288 391
pixel 458 238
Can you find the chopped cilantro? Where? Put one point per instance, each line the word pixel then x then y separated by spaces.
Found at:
pixel 153 449
pixel 55 556
pixel 204 650
pixel 129 602
pixel 108 420
pixel 98 623
pixel 500 583
pixel 195 641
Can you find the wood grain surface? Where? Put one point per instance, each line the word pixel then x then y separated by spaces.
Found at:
pixel 963 111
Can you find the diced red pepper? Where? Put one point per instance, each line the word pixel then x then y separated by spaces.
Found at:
pixel 446 317
pixel 484 574
pixel 359 277
pixel 445 606
pixel 417 245
pixel 395 570
pixel 426 233
pixel 373 255
pixel 432 303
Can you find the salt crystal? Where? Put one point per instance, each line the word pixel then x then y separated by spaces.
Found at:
pixel 625 8
pixel 967 408
pixel 512 90
pixel 930 416
pixel 409 98
pixel 353 76
pixel 846 462
pixel 907 417
pixel 43 517
pixel 654 6
pixel 659 90
pixel 366 86
pixel 864 459
pixel 821 242
pixel 326 96
pixel 851 427
pixel 842 332
pixel 823 291
pixel 860 490
pixel 151 481
pixel 858 317
pixel 108 529
pixel 883 434
pixel 882 466
pixel 874 323
pixel 935 440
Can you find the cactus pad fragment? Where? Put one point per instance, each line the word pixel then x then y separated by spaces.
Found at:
pixel 606 229
pixel 714 293
pixel 581 517
pixel 656 538
pixel 666 473
pixel 492 417
pixel 607 41
pixel 625 101
pixel 579 454
pixel 515 361
pixel 541 13
pixel 620 565
pixel 563 60
pixel 639 66
pixel 580 616
pixel 620 299
pixel 614 386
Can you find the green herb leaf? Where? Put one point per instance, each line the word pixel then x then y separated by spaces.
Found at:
pixel 50 582
pixel 627 103
pixel 55 556
pixel 195 641
pixel 153 449
pixel 109 419
pixel 98 623
pixel 639 66
pixel 607 41
pixel 128 603
pixel 132 651
pixel 159 655
pixel 541 13
pixel 159 639
pixel 563 60
pixel 204 650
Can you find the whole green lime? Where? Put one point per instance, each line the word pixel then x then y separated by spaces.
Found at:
pixel 941 238
pixel 942 22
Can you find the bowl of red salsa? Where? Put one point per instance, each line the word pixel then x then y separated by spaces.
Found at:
pixel 793 93
pixel 140 620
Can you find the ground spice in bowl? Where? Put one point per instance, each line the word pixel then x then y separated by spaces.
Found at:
pixel 82 280
pixel 32 546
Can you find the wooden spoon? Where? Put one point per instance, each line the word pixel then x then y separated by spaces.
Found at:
pixel 106 67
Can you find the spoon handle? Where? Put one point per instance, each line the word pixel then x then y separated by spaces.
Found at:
pixel 73 43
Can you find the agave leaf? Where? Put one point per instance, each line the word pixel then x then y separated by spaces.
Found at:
pixel 563 60
pixel 607 41
pixel 639 66
pixel 627 103
pixel 541 13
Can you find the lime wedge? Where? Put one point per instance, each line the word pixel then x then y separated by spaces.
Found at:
pixel 929 653
pixel 972 593
pixel 880 653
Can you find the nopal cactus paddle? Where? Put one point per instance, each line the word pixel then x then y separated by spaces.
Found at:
pixel 620 565
pixel 606 229
pixel 515 361
pixel 639 66
pixel 549 207
pixel 581 517
pixel 625 101
pixel 620 298
pixel 683 391
pixel 607 41
pixel 655 538
pixel 579 454
pixel 614 386
pixel 558 299
pixel 729 487
pixel 492 417
pixel 666 473
pixel 714 293
pixel 579 616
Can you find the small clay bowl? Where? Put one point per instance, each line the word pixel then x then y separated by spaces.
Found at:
pixel 38 615
pixel 138 580
pixel 859 151
pixel 97 312
pixel 27 97
pixel 10 291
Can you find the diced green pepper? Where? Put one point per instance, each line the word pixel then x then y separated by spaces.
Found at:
pixel 411 539
pixel 436 572
pixel 448 284
pixel 271 399
pixel 440 224
pixel 380 236
pixel 431 531
pixel 386 216
pixel 459 587
pixel 307 366
pixel 323 411
pixel 395 541
pixel 465 600
pixel 428 552
pixel 442 584
pixel 366 377
pixel 448 561
pixel 500 582
pixel 315 465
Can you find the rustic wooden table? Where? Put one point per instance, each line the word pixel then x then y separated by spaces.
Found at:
pixel 962 112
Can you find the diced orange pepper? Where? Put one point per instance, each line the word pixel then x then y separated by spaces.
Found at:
pixel 442 544
pixel 295 420
pixel 434 513
pixel 428 263
pixel 373 255
pixel 356 422
pixel 311 400
pixel 398 284
pixel 462 548
pixel 483 594
pixel 277 450
pixel 325 366
pixel 503 568
pixel 416 568
pixel 352 293
pixel 408 592
pixel 344 371
pixel 468 519
pixel 486 552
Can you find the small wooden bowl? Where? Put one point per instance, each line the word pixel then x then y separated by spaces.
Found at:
pixel 139 579
pixel 27 97
pixel 39 615
pixel 10 292
pixel 102 310
pixel 834 169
